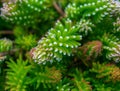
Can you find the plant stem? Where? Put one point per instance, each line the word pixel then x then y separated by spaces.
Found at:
pixel 6 32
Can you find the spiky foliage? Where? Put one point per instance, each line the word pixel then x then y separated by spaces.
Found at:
pixel 111 47
pixel 17 75
pixel 92 9
pixel 115 74
pixel 19 31
pixel 5 44
pixel 37 5
pixel 20 75
pixel 26 41
pixel 59 41
pixel 64 85
pixel 117 25
pixel 46 77
pixel 102 70
pixel 116 10
pixel 85 26
pixel 89 51
pixel 60 24
pixel 23 12
pixel 108 72
pixel 80 83
pixel 102 87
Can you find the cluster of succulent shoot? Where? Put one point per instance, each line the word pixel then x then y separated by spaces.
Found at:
pixel 22 11
pixel 92 48
pixel 81 83
pixel 85 26
pixel 63 86
pixel 115 53
pixel 93 9
pixel 49 76
pixel 5 45
pixel 26 42
pixel 111 47
pixel 89 51
pixel 117 25
pixel 5 10
pixel 115 74
pixel 18 72
pixel 54 74
pixel 34 4
pixel 116 5
pixel 59 41
pixel 106 70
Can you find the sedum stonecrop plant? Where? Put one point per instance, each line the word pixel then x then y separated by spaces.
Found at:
pixel 93 9
pixel 59 41
pixel 85 26
pixel 78 45
pixel 5 45
pixel 111 46
pixel 17 75
pixel 22 11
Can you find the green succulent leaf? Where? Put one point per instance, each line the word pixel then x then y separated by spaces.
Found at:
pixel 59 41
